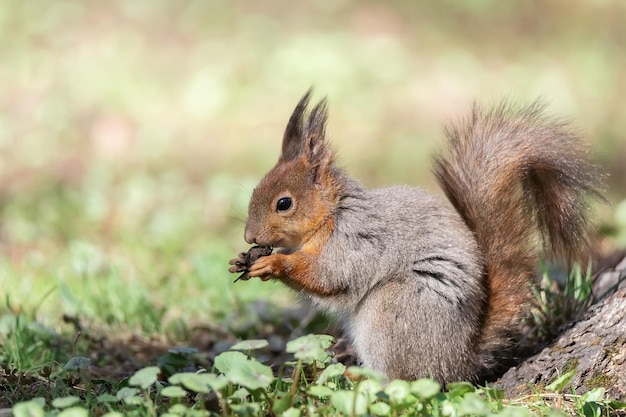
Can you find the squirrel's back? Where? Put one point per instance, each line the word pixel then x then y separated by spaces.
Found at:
pixel 521 181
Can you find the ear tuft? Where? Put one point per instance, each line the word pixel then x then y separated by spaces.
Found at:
pixel 316 124
pixel 305 134
pixel 293 137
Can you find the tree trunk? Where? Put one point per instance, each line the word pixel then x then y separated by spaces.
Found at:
pixel 595 347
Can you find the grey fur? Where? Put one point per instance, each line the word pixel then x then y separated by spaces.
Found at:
pixel 398 247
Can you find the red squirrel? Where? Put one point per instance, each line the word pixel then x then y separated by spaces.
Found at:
pixel 426 287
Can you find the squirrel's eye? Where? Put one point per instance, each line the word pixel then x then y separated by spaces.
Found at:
pixel 283 204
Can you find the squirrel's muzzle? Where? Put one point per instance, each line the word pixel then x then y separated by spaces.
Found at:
pixel 249 235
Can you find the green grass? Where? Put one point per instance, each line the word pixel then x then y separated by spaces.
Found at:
pixel 132 135
pixel 310 384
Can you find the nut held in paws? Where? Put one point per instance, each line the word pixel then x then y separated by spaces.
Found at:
pixel 248 258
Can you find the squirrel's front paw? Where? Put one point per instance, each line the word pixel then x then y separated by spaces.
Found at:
pixel 238 264
pixel 266 267
pixel 246 259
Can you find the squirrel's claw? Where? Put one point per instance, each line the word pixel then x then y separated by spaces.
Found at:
pixel 239 265
pixel 239 260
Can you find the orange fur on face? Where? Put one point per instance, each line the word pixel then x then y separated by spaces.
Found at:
pixel 291 229
pixel 301 233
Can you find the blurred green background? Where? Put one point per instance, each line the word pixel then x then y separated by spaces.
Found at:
pixel 133 132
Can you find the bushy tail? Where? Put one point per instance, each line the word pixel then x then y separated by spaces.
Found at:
pixel 522 182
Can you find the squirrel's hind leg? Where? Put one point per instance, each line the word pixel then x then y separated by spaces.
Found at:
pixel 411 334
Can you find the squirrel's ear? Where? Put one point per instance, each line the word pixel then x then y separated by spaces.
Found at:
pixel 294 140
pixel 306 138
pixel 318 153
pixel 303 137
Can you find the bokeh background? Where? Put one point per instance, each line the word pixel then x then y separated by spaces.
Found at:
pixel 133 132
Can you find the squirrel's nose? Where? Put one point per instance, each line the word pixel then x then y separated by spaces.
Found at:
pixel 249 236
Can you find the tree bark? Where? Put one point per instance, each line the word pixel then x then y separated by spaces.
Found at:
pixel 595 347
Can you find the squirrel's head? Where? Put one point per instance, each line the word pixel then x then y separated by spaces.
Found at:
pixel 297 196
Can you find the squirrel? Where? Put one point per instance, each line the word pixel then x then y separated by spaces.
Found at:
pixel 425 287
